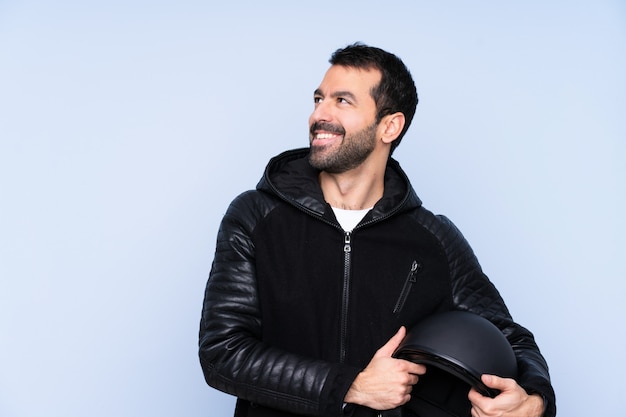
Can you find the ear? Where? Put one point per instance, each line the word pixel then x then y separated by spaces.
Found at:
pixel 391 126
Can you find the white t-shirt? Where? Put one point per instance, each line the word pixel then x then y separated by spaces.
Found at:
pixel 348 219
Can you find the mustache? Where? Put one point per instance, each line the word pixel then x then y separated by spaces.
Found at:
pixel 327 127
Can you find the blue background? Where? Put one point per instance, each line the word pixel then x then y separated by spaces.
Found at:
pixel 126 128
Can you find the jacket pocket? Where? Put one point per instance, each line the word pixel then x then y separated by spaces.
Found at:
pixel 411 279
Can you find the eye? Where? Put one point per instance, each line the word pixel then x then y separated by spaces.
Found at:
pixel 342 100
pixel 317 99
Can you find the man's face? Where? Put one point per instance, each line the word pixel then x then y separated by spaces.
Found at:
pixel 343 125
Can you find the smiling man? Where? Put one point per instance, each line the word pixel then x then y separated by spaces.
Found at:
pixel 343 101
pixel 301 315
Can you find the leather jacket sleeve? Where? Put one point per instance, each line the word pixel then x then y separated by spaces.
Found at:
pixel 472 291
pixel 236 361
pixel 232 355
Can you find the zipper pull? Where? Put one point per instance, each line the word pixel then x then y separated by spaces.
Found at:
pixel 415 268
pixel 411 279
pixel 346 247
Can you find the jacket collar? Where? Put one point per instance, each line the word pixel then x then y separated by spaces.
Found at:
pixel 291 177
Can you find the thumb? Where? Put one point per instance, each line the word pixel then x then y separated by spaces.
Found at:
pixel 493 381
pixel 392 344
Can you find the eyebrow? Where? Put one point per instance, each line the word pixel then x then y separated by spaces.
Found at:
pixel 336 94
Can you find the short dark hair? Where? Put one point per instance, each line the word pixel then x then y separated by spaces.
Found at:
pixel 396 91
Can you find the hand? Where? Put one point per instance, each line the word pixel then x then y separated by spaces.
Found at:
pixel 513 401
pixel 386 382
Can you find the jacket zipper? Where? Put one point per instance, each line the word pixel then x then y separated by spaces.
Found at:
pixel 411 279
pixel 347 254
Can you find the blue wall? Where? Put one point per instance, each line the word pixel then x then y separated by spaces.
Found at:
pixel 126 127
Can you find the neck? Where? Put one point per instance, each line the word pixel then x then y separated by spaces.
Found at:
pixel 356 189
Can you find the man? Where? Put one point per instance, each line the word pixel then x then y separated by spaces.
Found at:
pixel 301 313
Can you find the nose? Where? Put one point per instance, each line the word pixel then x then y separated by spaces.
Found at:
pixel 321 112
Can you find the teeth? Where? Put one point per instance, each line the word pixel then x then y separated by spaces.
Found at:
pixel 325 135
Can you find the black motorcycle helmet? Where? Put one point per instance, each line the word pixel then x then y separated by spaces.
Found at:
pixel 457 347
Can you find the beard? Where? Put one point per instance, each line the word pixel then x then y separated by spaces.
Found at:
pixel 349 154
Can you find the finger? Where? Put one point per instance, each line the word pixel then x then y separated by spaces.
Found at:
pixel 413 379
pixel 474 396
pixel 413 368
pixel 477 400
pixel 417 368
pixel 392 344
pixel 502 384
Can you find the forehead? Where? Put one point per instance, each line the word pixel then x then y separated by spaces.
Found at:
pixel 355 80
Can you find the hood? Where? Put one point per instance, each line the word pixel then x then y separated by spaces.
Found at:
pixel 290 177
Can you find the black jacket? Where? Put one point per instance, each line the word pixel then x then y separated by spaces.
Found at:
pixel 295 307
